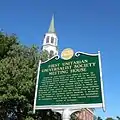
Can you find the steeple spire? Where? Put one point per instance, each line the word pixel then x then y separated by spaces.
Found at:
pixel 50 42
pixel 52 26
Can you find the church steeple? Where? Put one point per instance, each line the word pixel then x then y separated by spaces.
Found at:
pixel 50 42
pixel 52 26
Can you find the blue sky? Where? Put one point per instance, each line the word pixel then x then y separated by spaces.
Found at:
pixel 84 25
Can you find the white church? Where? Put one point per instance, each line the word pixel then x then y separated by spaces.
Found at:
pixel 50 42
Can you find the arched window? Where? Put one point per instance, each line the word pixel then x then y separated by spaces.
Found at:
pixel 51 53
pixel 52 39
pixel 47 39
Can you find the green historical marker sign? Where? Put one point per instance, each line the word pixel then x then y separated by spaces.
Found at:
pixel 74 83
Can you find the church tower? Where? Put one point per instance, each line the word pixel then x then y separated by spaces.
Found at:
pixel 50 42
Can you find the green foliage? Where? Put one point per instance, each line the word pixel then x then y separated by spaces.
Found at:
pixel 18 71
pixel 99 118
pixel 6 42
pixel 29 118
pixel 118 117
pixel 109 118
pixel 18 67
pixel 44 55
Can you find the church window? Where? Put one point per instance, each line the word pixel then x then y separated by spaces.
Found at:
pixel 47 39
pixel 51 53
pixel 55 41
pixel 52 39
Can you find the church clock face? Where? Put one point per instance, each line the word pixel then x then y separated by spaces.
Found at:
pixel 67 54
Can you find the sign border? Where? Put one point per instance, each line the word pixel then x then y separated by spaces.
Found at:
pixel 71 106
pixel 38 73
pixel 101 80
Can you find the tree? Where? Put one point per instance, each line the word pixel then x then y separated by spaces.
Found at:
pixel 118 117
pixel 99 118
pixel 44 55
pixel 18 71
pixel 6 42
pixel 18 67
pixel 109 118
